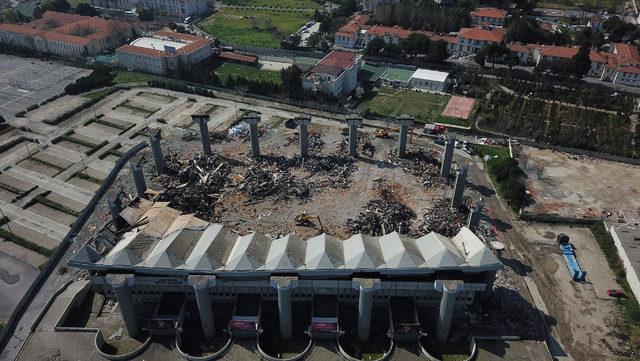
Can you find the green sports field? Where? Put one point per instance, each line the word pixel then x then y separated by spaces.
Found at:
pixel 424 107
pixel 292 4
pixel 264 28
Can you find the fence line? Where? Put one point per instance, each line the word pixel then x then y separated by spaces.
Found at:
pixel 60 251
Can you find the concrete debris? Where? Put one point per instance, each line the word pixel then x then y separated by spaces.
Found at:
pixel 382 216
pixel 270 176
pixel 440 218
pixel 421 163
pixel 519 315
pixel 194 184
pixel 316 143
pixel 241 131
pixel 116 335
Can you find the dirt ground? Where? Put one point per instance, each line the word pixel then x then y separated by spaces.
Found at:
pixel 585 318
pixel 574 186
pixel 275 216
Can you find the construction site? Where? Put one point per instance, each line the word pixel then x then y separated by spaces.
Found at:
pixel 310 236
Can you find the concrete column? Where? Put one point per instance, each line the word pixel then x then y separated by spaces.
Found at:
pixel 354 124
pixel 365 286
pixel 114 208
pixel 201 285
pixel 138 178
pixel 121 285
pixel 284 285
pixel 405 122
pixel 154 140
pixel 253 120
pixel 447 157
pixel 449 289
pixel 304 122
pixel 202 120
pixel 474 217
pixel 458 191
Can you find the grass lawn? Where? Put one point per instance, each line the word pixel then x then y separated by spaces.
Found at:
pixel 97 94
pixel 292 4
pixel 125 76
pixel 227 70
pixel 265 28
pixel 490 150
pixel 424 107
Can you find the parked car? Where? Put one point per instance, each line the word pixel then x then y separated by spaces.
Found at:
pixel 616 293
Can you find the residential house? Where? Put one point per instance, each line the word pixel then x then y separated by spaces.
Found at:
pixel 336 74
pixel 471 40
pixel 491 16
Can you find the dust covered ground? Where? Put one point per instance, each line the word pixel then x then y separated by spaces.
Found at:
pixel 329 186
pixel 574 186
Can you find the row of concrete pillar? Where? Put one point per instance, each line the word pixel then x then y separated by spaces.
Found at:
pixel 121 285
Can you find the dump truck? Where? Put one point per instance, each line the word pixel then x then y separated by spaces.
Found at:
pixel 434 129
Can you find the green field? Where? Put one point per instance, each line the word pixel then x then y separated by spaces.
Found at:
pixel 264 28
pixel 124 76
pixel 291 4
pixel 74 3
pixel 227 70
pixel 425 107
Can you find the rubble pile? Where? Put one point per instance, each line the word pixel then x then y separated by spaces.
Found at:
pixel 421 163
pixel 336 169
pixel 521 317
pixel 440 218
pixel 271 178
pixel 218 137
pixel 193 184
pixel 316 143
pixel 382 216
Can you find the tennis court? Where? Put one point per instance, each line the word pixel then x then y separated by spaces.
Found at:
pixel 459 107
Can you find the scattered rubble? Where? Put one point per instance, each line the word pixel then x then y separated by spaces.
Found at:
pixel 441 218
pixel 316 143
pixel 270 176
pixel 193 184
pixel 382 216
pixel 421 163
pixel 241 131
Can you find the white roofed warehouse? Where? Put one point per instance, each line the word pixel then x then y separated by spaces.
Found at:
pixel 157 251
pixel 429 80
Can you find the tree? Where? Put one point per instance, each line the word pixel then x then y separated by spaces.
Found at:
pixel 375 46
pixel 291 42
pixel 37 12
pixel 437 51
pixel 86 10
pixel 414 44
pixel 581 62
pixel 15 17
pixel 146 14
pixel 2 120
pixel 61 6
pixel 313 41
pixel 292 81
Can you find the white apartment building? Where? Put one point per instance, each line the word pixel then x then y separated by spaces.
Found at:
pixel 163 52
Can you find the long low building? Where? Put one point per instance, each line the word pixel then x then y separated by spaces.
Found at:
pixel 151 250
pixel 68 35
pixel 163 52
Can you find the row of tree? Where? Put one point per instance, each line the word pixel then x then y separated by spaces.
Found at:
pixel 416 46
pixel 424 14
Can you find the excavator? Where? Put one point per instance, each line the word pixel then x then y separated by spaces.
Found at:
pixel 305 219
pixel 384 133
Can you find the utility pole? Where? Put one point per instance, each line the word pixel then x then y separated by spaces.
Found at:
pixel 82 160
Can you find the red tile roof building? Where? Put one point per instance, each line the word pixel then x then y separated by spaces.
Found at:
pixel 163 52
pixel 471 40
pixel 491 16
pixel 336 74
pixel 68 35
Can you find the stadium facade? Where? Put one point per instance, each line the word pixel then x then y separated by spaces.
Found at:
pixel 150 254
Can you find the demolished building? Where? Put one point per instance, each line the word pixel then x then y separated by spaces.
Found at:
pixel 150 250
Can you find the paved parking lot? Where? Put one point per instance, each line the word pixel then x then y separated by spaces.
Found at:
pixel 26 81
